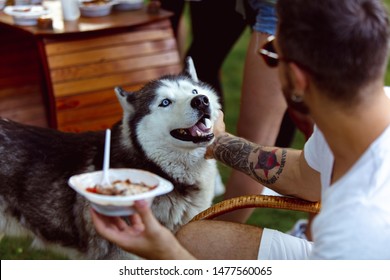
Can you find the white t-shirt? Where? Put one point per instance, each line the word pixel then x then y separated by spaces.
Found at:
pixel 354 222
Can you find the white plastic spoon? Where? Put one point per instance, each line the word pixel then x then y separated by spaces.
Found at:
pixel 106 160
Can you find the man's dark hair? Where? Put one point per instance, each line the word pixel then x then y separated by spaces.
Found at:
pixel 343 44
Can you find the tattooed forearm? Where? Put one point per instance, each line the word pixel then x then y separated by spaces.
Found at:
pixel 256 161
pixel 234 152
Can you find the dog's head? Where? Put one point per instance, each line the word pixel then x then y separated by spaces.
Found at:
pixel 175 111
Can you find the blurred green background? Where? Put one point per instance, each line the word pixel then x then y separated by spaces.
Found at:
pixel 19 248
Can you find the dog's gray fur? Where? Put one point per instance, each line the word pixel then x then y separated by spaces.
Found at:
pixel 36 164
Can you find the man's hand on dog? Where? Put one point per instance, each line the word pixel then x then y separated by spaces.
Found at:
pixel 218 130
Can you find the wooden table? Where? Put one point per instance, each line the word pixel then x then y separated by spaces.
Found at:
pixel 64 77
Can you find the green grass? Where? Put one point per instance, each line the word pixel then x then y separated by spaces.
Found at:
pixel 12 248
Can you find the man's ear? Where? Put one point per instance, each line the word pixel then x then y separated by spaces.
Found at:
pixel 299 76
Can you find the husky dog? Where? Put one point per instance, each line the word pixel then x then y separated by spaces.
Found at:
pixel 166 127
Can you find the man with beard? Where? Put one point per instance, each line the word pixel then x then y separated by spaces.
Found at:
pixel 331 57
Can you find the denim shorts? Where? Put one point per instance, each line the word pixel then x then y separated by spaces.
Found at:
pixel 266 20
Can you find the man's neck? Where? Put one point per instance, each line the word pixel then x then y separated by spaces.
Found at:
pixel 350 131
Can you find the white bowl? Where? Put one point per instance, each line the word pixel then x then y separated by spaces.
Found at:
pixel 127 5
pixel 95 10
pixel 26 15
pixel 119 205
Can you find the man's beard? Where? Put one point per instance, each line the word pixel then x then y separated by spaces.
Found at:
pixel 288 92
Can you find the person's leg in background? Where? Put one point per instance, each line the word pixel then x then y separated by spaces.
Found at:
pixel 216 26
pixel 177 21
pixel 262 106
pixel 286 133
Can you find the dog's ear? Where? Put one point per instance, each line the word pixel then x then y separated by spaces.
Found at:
pixel 190 70
pixel 123 96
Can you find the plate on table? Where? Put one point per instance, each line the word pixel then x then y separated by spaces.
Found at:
pixel 26 15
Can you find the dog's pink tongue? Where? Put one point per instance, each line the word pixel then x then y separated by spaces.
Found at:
pixel 199 129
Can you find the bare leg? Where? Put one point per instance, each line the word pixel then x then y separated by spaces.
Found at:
pixel 182 31
pixel 220 240
pixel 261 112
pixel 178 23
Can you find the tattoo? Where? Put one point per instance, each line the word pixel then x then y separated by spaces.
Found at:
pixel 267 161
pixel 233 152
pixel 249 158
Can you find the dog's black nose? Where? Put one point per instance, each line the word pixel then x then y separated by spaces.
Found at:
pixel 200 102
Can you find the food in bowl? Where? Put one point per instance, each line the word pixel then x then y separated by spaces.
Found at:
pixel 22 9
pixel 96 8
pixel 119 204
pixel 95 2
pixel 121 187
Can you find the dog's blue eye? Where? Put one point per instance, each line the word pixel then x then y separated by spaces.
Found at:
pixel 165 103
pixel 194 91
